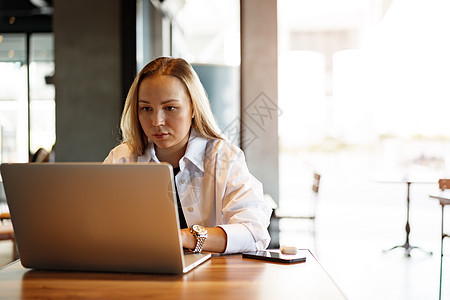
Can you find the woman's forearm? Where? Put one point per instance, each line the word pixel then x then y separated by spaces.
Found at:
pixel 216 241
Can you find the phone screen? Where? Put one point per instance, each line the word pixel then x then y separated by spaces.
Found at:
pixel 275 256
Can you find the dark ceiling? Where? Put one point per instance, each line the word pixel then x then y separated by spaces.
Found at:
pixel 25 16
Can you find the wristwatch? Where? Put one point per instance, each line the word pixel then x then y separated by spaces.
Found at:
pixel 200 233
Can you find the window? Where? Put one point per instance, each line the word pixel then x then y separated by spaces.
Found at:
pixel 367 77
pixel 207 34
pixel 27 96
pixel 364 93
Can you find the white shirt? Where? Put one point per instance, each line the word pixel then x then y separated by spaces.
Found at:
pixel 215 189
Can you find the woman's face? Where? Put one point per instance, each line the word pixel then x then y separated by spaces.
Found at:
pixel 165 111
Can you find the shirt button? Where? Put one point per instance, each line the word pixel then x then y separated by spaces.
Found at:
pixel 183 181
pixel 190 209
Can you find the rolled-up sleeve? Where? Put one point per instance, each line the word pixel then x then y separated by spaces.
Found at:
pixel 245 214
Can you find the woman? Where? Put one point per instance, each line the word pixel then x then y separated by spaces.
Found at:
pixel 167 118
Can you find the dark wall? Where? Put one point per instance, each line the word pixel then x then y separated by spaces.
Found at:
pixel 95 62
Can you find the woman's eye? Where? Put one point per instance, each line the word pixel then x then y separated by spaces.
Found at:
pixel 145 108
pixel 170 108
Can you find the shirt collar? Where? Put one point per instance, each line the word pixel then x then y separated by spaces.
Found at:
pixel 194 152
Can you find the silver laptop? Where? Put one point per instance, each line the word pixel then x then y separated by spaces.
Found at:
pixel 96 217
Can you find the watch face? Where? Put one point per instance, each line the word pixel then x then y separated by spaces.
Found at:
pixel 199 229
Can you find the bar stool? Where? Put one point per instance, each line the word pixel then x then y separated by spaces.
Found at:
pixel 7 232
pixel 309 216
pixel 444 184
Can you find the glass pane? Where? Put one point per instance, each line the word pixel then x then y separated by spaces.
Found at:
pixel 208 31
pixel 364 77
pixel 42 93
pixel 365 99
pixel 13 99
pixel 15 134
pixel 207 34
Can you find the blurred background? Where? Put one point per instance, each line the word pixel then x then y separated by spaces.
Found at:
pixel 361 94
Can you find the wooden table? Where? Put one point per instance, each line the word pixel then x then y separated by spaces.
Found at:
pixel 222 277
pixel 443 197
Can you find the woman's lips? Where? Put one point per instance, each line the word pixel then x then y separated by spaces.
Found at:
pixel 160 135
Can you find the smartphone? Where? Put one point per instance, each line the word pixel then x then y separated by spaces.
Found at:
pixel 274 256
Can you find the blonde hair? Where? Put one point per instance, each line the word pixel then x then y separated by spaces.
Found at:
pixel 203 121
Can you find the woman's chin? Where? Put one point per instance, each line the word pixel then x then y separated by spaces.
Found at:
pixel 161 145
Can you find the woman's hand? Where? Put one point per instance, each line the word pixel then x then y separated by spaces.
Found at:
pixel 215 242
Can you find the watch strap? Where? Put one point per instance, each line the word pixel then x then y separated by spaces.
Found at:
pixel 199 244
pixel 200 237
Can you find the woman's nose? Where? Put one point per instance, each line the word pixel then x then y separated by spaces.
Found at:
pixel 158 118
